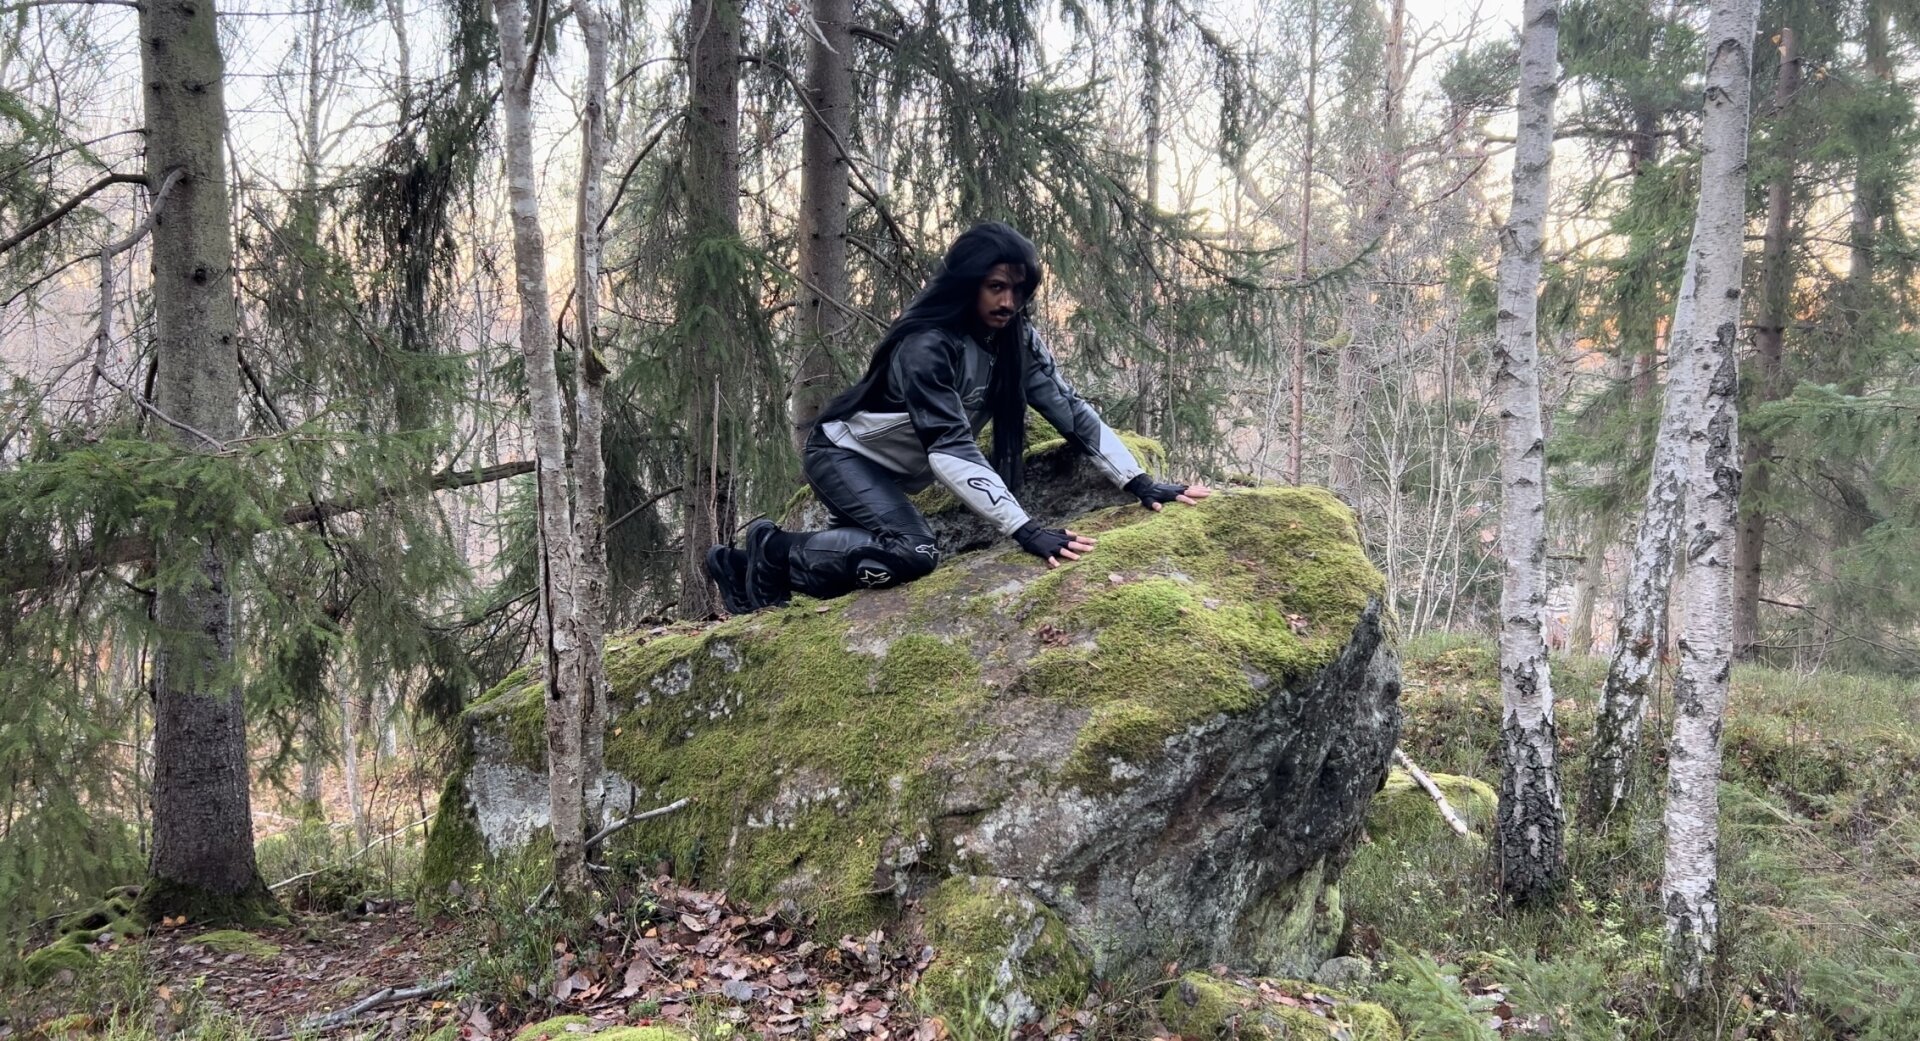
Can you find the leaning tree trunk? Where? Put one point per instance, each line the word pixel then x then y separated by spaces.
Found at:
pixel 706 319
pixel 557 612
pixel 590 375
pixel 1641 632
pixel 202 862
pixel 1769 338
pixel 1689 885
pixel 1531 821
pixel 826 319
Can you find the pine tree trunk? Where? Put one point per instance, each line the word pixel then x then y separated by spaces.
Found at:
pixel 1380 204
pixel 1531 822
pixel 826 322
pixel 563 705
pixel 1689 885
pixel 590 479
pixel 1776 288
pixel 1640 635
pixel 710 328
pixel 202 862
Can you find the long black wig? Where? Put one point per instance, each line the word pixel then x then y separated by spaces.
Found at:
pixel 948 302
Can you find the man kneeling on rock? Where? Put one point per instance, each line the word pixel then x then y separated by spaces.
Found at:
pixel 961 354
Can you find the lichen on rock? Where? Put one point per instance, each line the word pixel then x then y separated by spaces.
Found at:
pixel 1204 1007
pixel 1169 745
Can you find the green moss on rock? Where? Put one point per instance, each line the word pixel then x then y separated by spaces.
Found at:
pixel 234 941
pixel 553 1029
pixel 651 1033
pixel 997 952
pixel 1402 812
pixel 47 962
pixel 455 848
pixel 1202 1006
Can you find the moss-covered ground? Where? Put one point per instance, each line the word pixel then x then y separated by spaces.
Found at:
pixel 1820 846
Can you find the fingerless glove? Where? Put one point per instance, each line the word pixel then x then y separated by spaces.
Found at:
pixel 1150 491
pixel 1041 542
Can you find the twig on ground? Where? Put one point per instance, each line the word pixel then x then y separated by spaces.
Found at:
pixel 601 836
pixel 1420 776
pixel 377 1000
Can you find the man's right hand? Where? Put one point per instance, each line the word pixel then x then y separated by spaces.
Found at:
pixel 1051 544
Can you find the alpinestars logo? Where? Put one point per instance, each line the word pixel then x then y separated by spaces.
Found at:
pixel 991 489
pixel 930 551
pixel 872 576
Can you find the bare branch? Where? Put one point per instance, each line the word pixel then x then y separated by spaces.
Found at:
pixel 67 207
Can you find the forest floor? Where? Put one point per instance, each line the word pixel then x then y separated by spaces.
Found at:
pixel 1820 884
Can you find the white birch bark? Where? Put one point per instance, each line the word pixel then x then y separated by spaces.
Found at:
pixel 1531 821
pixel 1642 628
pixel 350 758
pixel 563 708
pixel 590 483
pixel 1689 885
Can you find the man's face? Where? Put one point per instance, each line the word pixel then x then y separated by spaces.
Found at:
pixel 1000 295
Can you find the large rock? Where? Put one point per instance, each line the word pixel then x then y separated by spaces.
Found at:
pixel 1159 752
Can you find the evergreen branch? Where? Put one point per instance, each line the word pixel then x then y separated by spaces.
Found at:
pixel 873 35
pixel 26 4
pixel 130 549
pixel 68 207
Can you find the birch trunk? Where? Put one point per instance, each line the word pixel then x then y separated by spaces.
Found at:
pixel 1641 632
pixel 350 758
pixel 590 480
pixel 826 322
pixel 202 857
pixel 1531 822
pixel 1689 886
pixel 1769 339
pixel 561 652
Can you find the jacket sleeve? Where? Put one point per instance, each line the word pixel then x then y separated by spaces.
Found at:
pixel 1074 418
pixel 926 370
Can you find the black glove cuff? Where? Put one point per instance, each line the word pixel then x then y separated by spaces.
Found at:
pixel 1149 491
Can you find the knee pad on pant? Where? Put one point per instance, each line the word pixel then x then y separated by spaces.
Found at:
pixel 874 573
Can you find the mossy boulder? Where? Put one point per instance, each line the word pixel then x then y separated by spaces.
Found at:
pixel 69 953
pixel 1002 954
pixel 1405 814
pixel 1204 1007
pixel 1169 745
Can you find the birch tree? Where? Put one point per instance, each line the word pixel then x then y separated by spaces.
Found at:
pixel 1531 822
pixel 1689 884
pixel 556 550
pixel 590 375
pixel 1641 633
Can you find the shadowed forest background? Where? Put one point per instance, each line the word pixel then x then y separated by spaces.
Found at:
pixel 492 308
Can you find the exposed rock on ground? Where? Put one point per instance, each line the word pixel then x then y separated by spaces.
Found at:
pixel 1161 752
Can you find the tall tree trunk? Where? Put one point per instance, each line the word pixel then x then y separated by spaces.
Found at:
pixel 706 315
pixel 1155 407
pixel 1689 884
pixel 1531 821
pixel 1296 437
pixel 558 615
pixel 1640 635
pixel 202 861
pixel 1776 290
pixel 590 373
pixel 313 764
pixel 350 755
pixel 826 319
pixel 1381 201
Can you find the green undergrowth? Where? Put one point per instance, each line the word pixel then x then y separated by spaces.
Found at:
pixel 1820 828
pixel 804 737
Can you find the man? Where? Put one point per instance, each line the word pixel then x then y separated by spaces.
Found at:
pixel 962 353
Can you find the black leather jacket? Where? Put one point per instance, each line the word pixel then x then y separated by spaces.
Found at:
pixel 921 423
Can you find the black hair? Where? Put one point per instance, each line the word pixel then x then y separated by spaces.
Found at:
pixel 947 302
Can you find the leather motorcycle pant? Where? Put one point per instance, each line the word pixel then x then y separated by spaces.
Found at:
pixel 878 538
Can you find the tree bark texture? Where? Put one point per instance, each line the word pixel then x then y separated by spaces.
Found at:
pixel 826 319
pixel 1640 636
pixel 1531 821
pixel 711 329
pixel 202 859
pixel 1380 203
pixel 1297 435
pixel 557 611
pixel 1769 336
pixel 590 374
pixel 1689 887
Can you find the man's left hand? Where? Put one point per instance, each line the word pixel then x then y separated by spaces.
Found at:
pixel 1154 495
